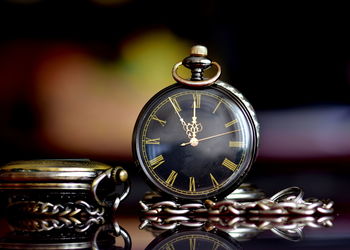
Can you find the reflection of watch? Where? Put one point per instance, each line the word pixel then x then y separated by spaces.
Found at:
pixel 69 183
pixel 194 239
pixel 197 138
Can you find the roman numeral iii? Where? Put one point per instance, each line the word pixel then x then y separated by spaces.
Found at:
pixel 235 144
pixel 229 164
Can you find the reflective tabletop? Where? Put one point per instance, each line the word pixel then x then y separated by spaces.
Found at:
pixel 123 232
pixel 127 228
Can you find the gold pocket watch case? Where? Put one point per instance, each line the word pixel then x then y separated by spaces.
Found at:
pixel 63 181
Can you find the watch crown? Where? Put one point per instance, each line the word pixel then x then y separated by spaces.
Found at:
pixel 119 174
pixel 199 50
pixel 197 62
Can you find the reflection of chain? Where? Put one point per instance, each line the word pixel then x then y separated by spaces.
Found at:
pixel 232 223
pixel 285 210
pixel 38 236
pixel 44 216
pixel 112 229
pixel 239 227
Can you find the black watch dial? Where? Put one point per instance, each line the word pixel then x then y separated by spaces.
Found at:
pixel 194 143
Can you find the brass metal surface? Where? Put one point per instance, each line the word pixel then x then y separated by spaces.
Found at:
pixel 123 175
pixel 60 186
pixel 206 82
pixel 55 166
pixel 199 50
pixel 51 171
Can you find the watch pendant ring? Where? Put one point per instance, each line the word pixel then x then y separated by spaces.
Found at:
pixel 200 83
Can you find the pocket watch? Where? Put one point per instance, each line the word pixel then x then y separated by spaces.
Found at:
pixel 63 182
pixel 197 138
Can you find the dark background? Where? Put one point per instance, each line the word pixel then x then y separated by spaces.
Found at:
pixel 281 55
pixel 290 60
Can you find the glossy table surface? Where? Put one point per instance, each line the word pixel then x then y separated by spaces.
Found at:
pixel 331 234
pixel 334 237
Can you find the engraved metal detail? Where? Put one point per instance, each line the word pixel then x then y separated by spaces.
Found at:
pixel 37 216
pixel 111 174
pixel 285 214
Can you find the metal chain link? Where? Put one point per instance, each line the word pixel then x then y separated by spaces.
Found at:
pixel 48 224
pixel 286 202
pixel 37 216
pixel 286 210
pixel 120 178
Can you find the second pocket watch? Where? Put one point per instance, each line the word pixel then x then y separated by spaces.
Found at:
pixel 197 138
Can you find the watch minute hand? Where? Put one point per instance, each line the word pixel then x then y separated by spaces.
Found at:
pixel 210 137
pixel 194 117
pixel 177 112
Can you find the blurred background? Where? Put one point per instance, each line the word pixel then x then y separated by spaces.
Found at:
pixel 75 74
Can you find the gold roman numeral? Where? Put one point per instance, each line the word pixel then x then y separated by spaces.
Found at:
pixel 215 246
pixel 197 100
pixel 230 123
pixel 154 117
pixel 213 180
pixel 152 141
pixel 169 246
pixel 171 179
pixel 229 164
pixel 217 106
pixel 192 186
pixel 175 104
pixel 192 243
pixel 157 161
pixel 235 144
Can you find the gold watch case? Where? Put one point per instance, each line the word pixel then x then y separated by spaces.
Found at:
pixel 63 180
